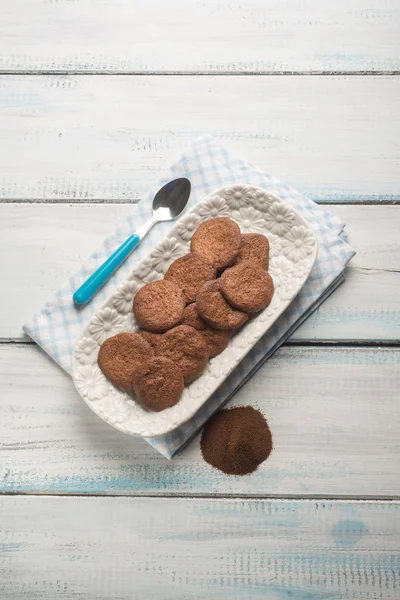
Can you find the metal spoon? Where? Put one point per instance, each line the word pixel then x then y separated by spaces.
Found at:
pixel 168 204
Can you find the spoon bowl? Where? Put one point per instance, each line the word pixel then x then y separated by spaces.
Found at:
pixel 173 196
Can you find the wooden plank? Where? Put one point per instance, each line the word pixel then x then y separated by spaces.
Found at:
pixel 42 244
pixel 255 36
pixel 176 549
pixel 334 414
pixel 109 137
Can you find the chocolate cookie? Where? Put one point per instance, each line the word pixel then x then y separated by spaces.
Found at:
pixel 186 348
pixel 214 309
pixel 217 240
pixel 216 339
pixel 121 355
pixel 192 318
pixel 190 273
pixel 247 287
pixel 254 247
pixel 158 306
pixel 158 384
pixel 151 338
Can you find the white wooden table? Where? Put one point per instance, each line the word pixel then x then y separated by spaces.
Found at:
pixel 96 98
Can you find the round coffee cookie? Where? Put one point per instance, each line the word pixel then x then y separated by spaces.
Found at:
pixel 217 339
pixel 254 247
pixel 151 338
pixel 192 318
pixel 158 306
pixel 158 384
pixel 190 273
pixel 217 240
pixel 214 309
pixel 121 355
pixel 186 348
pixel 247 287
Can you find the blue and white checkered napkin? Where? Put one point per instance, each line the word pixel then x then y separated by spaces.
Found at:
pixel 208 165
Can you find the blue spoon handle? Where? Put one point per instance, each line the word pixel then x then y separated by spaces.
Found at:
pixel 104 272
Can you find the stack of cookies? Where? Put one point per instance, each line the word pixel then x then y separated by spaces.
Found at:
pixel 188 317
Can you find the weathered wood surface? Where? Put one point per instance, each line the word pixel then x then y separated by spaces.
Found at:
pixel 199 35
pixel 42 244
pixel 108 138
pixel 334 414
pixel 176 549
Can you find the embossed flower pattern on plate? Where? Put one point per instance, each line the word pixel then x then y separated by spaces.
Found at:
pixel 130 323
pixel 123 297
pixel 238 195
pixel 271 309
pixel 86 350
pixel 187 226
pixel 105 323
pixel 262 200
pixel 303 267
pixel 165 253
pixel 213 207
pixel 298 243
pixel 249 220
pixel 118 410
pixel 91 382
pixel 143 269
pixel 279 218
pixel 104 405
pixel 281 271
pixel 288 292
pixel 275 245
pixel 153 276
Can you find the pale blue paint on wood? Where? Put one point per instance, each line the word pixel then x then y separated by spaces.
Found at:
pixel 195 548
pixel 347 533
pixel 51 443
pixel 6 547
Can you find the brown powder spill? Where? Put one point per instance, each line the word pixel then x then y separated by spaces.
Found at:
pixel 236 440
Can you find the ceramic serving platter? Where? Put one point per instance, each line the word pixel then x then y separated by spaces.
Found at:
pixel 293 250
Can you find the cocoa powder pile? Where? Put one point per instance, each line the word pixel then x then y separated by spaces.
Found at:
pixel 236 440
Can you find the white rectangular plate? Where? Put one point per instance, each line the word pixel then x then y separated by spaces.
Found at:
pixel 293 250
